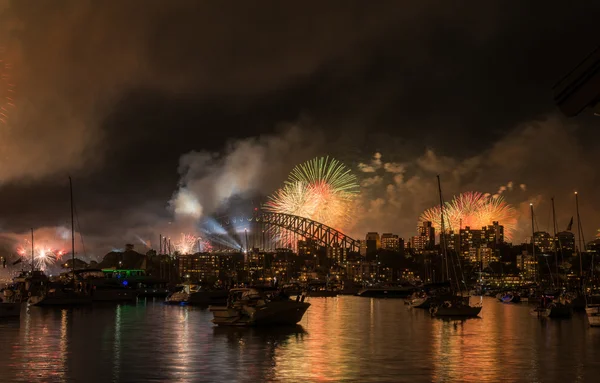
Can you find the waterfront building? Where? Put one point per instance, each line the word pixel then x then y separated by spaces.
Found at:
pixel 373 242
pixel 528 265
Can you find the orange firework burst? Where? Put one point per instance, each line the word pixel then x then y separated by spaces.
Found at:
pixel 321 189
pixel 476 210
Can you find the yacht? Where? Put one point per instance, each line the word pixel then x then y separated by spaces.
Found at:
pixel 192 294
pixel 251 307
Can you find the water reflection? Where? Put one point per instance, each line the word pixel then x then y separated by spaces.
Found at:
pixel 339 339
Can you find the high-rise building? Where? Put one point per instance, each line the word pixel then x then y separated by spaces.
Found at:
pixel 390 241
pixel 373 242
pixel 543 241
pixel 427 230
pixel 566 241
pixel 494 233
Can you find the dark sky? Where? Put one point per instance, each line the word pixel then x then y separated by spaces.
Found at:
pixel 116 92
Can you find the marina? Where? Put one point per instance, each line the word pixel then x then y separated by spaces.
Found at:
pixel 346 338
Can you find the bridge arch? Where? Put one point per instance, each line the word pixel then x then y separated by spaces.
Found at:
pixel 320 233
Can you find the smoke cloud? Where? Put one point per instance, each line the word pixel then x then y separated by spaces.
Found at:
pixel 529 153
pixel 252 166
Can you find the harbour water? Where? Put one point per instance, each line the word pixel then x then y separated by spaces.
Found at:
pixel 339 339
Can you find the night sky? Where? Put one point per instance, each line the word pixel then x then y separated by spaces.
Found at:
pixel 118 93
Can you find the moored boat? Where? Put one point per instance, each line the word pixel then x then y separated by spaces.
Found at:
pixel 190 294
pixel 250 307
pixel 593 314
pixel 455 307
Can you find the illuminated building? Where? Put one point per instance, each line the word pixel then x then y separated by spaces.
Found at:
pixel 307 247
pixel 494 233
pixel 483 255
pixel 566 241
pixel 336 253
pixel 391 241
pixel 528 265
pixel 543 241
pixel 427 231
pixel 373 242
pixel 199 267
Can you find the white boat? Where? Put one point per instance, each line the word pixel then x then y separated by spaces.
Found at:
pixel 250 307
pixel 191 294
pixel 593 314
pixel 10 309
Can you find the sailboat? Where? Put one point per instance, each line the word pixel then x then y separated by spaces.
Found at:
pixel 592 309
pixel 552 304
pixel 455 305
pixel 64 294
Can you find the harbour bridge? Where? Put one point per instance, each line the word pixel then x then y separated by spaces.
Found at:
pixel 262 224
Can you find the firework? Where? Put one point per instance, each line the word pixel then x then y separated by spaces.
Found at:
pixel 6 90
pixel 189 244
pixel 43 256
pixel 321 189
pixel 475 210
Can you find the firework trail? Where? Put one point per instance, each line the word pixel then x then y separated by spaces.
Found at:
pixel 6 89
pixel 476 210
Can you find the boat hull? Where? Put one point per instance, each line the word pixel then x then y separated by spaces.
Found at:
pixel 274 313
pixel 10 310
pixel 62 300
pixel 465 312
pixel 593 315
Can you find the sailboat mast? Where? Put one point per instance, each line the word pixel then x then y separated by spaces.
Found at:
pixel 533 242
pixel 554 242
pixel 72 232
pixel 579 238
pixel 443 231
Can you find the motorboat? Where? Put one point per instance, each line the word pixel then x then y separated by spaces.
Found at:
pixel 251 307
pixel 418 300
pixel 321 290
pixel 593 314
pixel 191 294
pixel 509 297
pixel 456 306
